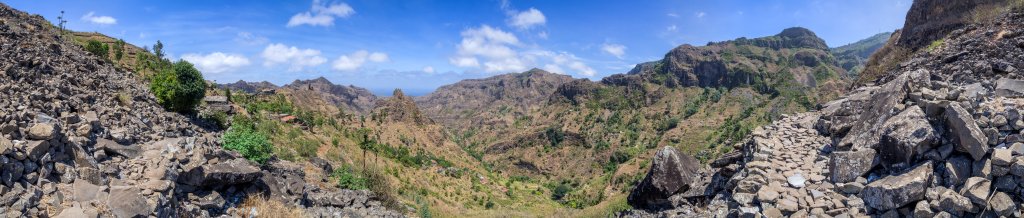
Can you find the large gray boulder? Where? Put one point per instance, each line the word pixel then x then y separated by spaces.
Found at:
pixel 896 191
pixel 127 201
pixel 41 131
pixel 1009 88
pixel 865 132
pixel 966 134
pixel 905 137
pixel 230 172
pixel 671 172
pixel 846 166
pixel 113 147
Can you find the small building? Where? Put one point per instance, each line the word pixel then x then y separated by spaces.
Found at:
pixel 218 103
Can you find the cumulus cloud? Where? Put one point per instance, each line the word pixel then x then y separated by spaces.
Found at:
pixel 101 20
pixel 216 62
pixel 614 49
pixel 495 51
pixel 527 19
pixel 321 14
pixel 357 59
pixel 296 58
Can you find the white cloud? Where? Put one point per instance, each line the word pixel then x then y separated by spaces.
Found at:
pixel 671 28
pixel 672 15
pixel 356 60
pixel 614 49
pixel 543 34
pixel 527 19
pixel 101 20
pixel 464 61
pixel 560 59
pixel 321 14
pixel 297 58
pixel 216 62
pixel 428 69
pixel 250 39
pixel 492 50
pixel 701 14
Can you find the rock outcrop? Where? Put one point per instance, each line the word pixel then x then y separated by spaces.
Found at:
pixel 671 172
pixel 83 138
pixel 939 138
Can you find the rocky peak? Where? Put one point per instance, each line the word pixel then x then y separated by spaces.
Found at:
pixel 324 95
pixel 794 37
pixel 400 108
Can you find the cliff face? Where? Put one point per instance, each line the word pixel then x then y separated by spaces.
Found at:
pixel 927 23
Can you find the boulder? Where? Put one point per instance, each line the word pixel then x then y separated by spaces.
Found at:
pixel 41 131
pixel 977 189
pixel 905 137
pixel 6 146
pixel 230 172
pixel 83 191
pixel 1002 157
pixel 127 201
pixel 671 172
pixel 1002 204
pixel 878 108
pixel 958 169
pixel 954 203
pixel 36 149
pixel 112 147
pixel 846 166
pixel 896 191
pixel 966 134
pixel 1009 88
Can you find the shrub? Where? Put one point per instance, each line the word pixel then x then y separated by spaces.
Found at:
pixel 253 145
pixel 119 49
pixel 97 48
pixel 347 179
pixel 179 88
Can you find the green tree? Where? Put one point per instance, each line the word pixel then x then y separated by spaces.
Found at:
pixel 158 49
pixel 97 48
pixel 179 88
pixel 119 49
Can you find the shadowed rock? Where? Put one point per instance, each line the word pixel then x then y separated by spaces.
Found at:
pixel 671 172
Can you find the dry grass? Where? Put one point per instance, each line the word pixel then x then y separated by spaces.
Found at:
pixel 259 206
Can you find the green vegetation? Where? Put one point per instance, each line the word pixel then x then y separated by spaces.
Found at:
pixel 349 179
pixel 935 44
pixel 97 48
pixel 119 49
pixel 244 138
pixel 179 88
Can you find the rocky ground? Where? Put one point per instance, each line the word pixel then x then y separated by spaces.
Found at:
pixel 81 138
pixel 942 137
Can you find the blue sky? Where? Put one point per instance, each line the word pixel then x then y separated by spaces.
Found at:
pixel 420 45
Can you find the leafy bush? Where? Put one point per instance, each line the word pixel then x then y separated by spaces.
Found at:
pixel 347 179
pixel 242 137
pixel 179 88
pixel 97 48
